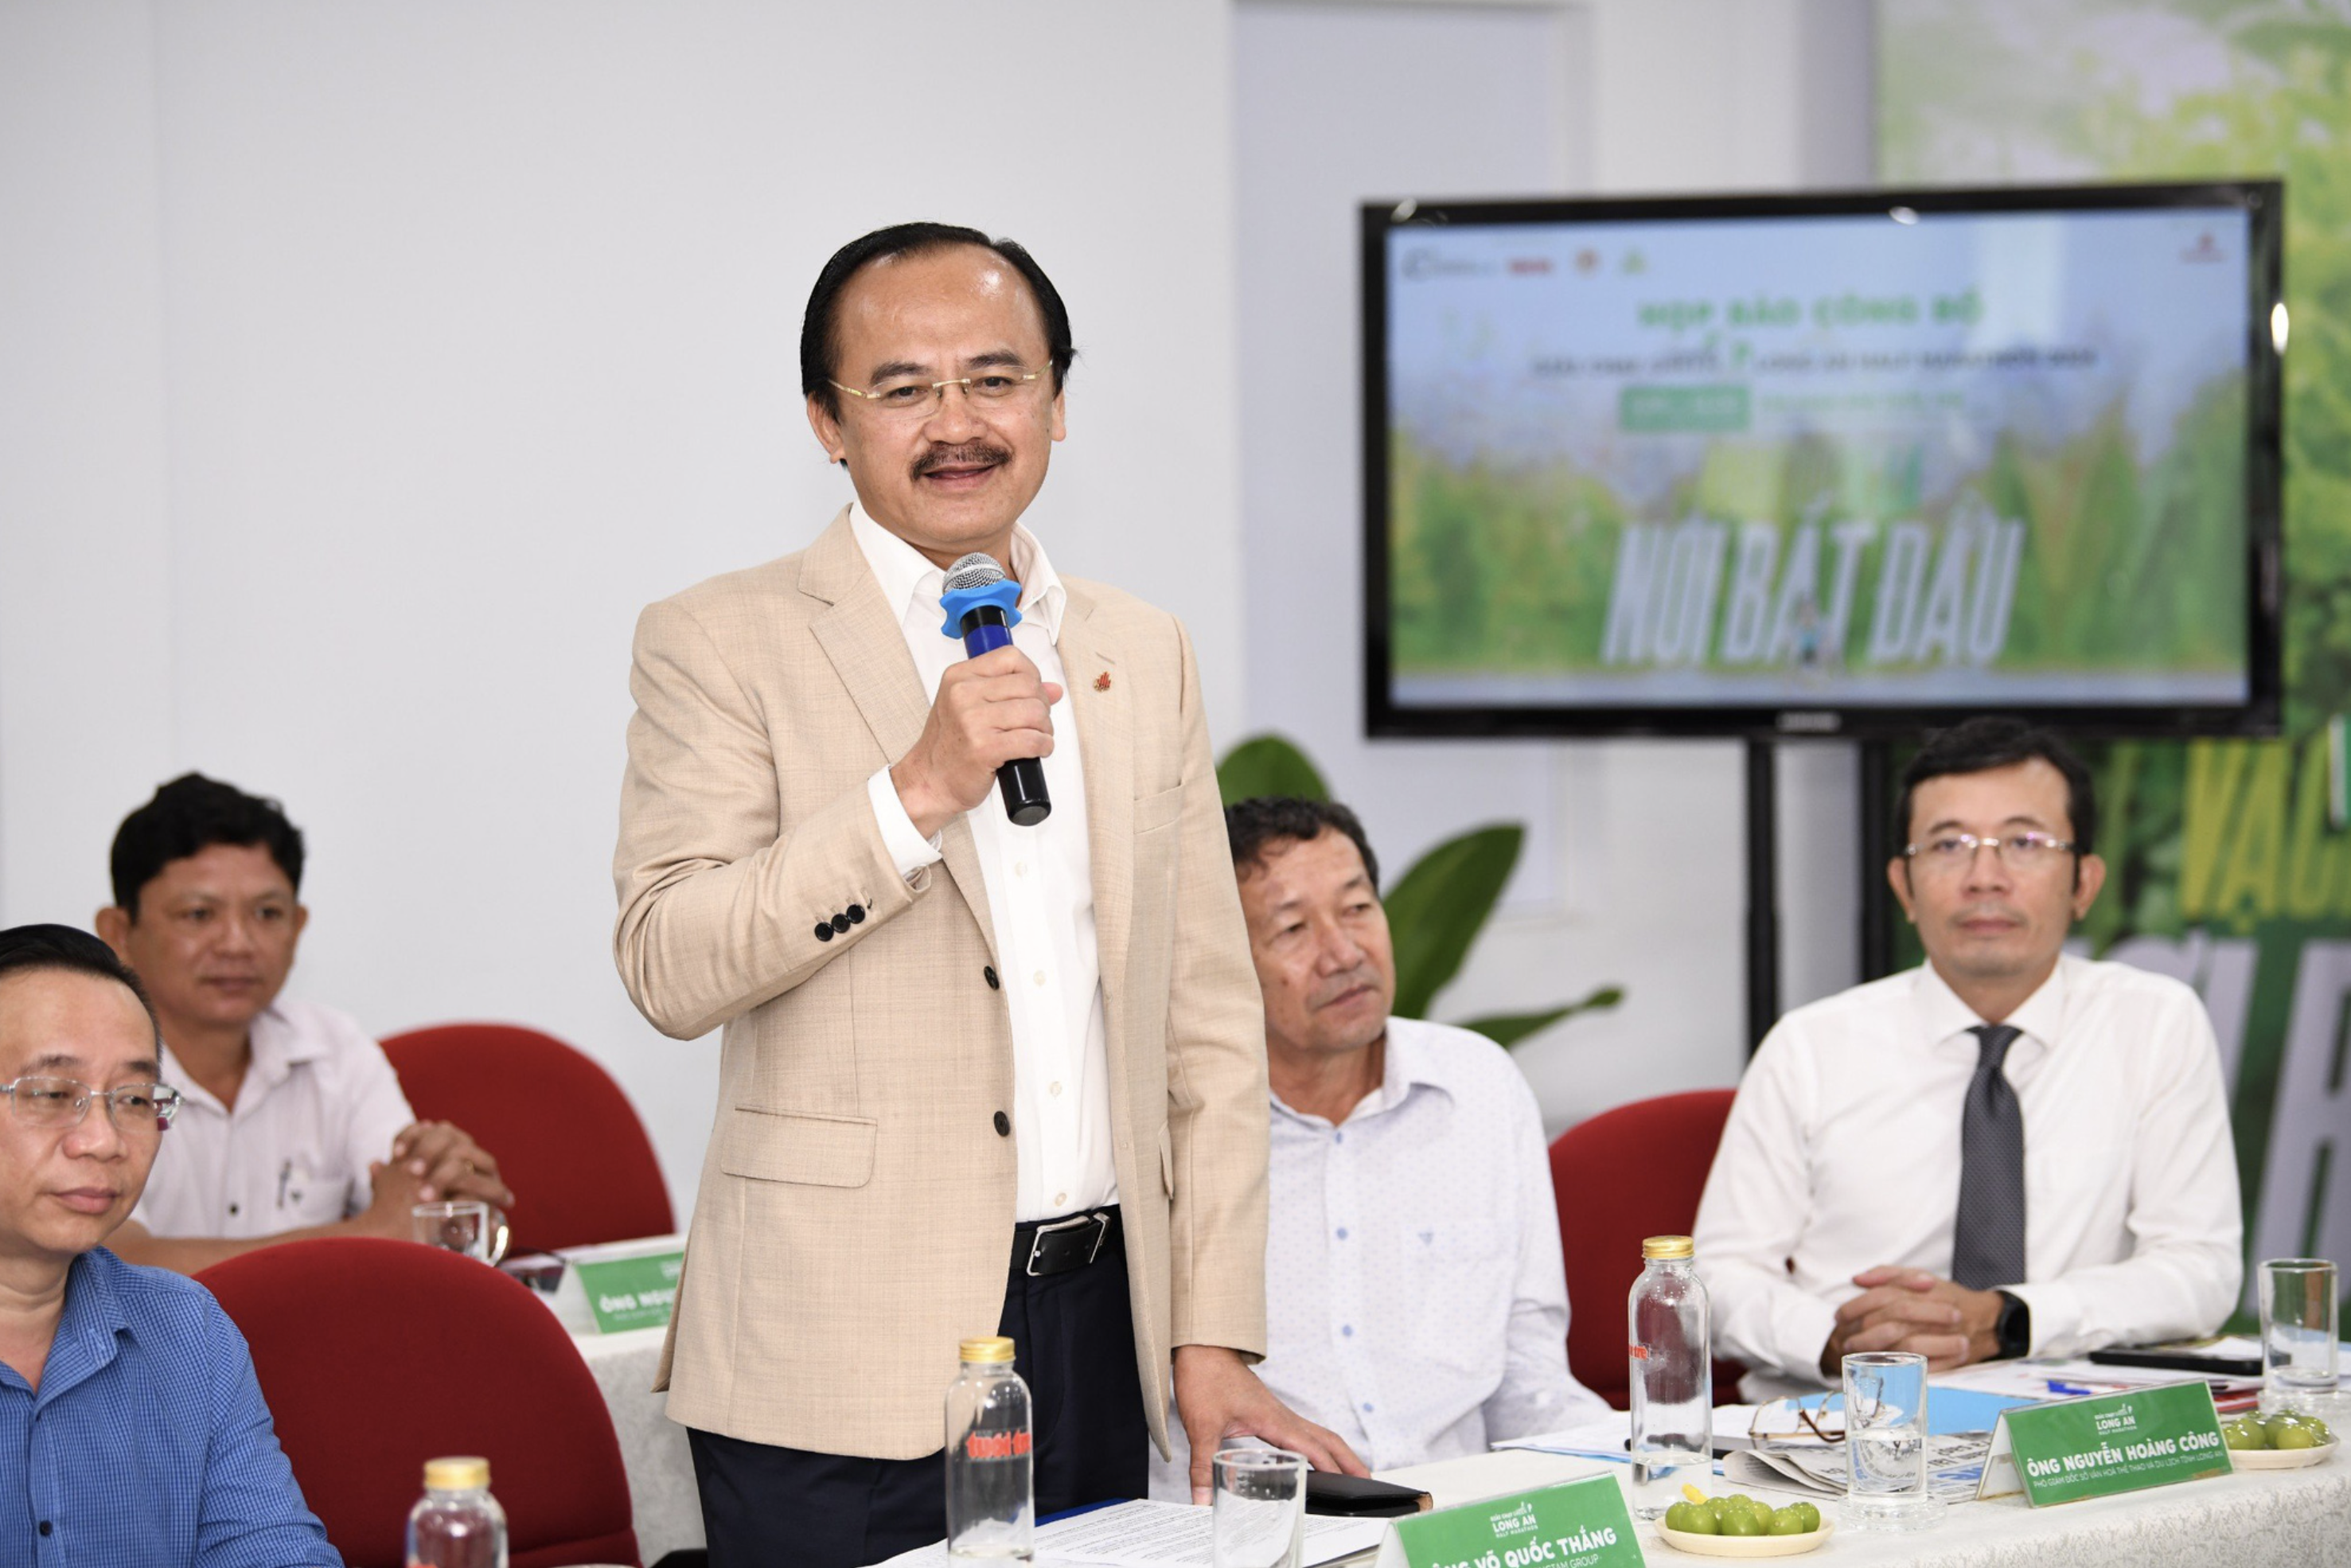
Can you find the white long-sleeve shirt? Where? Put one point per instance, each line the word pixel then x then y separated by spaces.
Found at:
pixel 1040 891
pixel 1416 1303
pixel 1842 1152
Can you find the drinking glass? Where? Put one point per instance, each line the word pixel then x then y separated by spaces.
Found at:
pixel 1261 1507
pixel 465 1225
pixel 2298 1334
pixel 1886 1443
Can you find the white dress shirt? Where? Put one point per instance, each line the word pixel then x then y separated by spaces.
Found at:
pixel 1040 891
pixel 1416 1303
pixel 318 1102
pixel 1842 1152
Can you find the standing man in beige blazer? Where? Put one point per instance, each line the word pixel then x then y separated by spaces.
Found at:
pixel 951 1043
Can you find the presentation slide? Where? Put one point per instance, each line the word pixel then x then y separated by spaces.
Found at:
pixel 1993 459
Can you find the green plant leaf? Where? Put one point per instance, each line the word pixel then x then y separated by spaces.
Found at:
pixel 1438 907
pixel 1509 1028
pixel 1269 765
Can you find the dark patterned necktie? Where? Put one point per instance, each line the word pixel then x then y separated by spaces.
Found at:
pixel 1988 1244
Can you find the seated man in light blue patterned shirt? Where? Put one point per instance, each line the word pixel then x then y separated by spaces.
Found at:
pixel 132 1432
pixel 1416 1303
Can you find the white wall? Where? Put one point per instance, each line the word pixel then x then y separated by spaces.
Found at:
pixel 1634 869
pixel 85 597
pixel 363 369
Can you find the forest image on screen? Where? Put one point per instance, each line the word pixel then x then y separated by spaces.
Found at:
pixel 1976 458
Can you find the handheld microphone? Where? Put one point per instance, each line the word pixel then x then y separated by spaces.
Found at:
pixel 982 607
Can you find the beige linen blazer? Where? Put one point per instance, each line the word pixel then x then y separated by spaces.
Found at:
pixel 854 1217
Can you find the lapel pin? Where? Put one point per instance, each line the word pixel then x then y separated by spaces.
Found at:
pixel 1102 682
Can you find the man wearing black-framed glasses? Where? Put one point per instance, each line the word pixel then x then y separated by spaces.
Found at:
pixel 984 1071
pixel 154 1444
pixel 2006 1151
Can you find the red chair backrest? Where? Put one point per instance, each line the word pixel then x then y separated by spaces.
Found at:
pixel 1625 1174
pixel 567 1139
pixel 377 1355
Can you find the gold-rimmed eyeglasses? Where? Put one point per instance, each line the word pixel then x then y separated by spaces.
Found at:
pixel 138 1111
pixel 2018 852
pixel 911 395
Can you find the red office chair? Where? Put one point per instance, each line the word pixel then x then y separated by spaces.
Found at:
pixel 567 1139
pixel 1626 1173
pixel 377 1355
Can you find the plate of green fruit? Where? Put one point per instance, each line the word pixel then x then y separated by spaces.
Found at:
pixel 2281 1441
pixel 1741 1526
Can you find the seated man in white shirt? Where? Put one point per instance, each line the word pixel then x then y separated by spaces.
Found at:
pixel 1416 1303
pixel 2004 1152
pixel 291 1123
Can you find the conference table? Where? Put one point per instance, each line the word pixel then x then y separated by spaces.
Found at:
pixel 668 1511
pixel 2270 1518
pixel 2266 1519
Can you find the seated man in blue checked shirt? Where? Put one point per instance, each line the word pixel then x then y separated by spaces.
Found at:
pixel 1416 1303
pixel 153 1445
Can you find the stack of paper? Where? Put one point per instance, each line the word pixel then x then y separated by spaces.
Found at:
pixel 1603 1436
pixel 1159 1535
pixel 2069 1378
pixel 1954 1465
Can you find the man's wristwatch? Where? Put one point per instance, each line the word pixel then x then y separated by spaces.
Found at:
pixel 2013 1327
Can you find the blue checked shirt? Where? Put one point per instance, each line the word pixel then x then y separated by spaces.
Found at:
pixel 148 1443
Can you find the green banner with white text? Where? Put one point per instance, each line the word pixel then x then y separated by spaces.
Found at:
pixel 2231 868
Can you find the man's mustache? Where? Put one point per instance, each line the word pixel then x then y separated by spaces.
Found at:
pixel 970 454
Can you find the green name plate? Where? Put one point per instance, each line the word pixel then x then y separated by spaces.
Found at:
pixel 2105 1444
pixel 1581 1525
pixel 631 1292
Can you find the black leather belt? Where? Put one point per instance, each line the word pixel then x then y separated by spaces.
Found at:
pixel 1042 1247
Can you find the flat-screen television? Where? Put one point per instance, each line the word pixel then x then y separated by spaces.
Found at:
pixel 1819 464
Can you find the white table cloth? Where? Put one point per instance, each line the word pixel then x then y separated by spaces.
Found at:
pixel 668 1511
pixel 2252 1519
pixel 2256 1519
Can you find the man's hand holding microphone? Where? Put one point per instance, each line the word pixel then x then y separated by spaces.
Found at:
pixel 993 713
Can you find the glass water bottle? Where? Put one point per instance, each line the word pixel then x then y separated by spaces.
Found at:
pixel 1672 1369
pixel 458 1524
pixel 991 1488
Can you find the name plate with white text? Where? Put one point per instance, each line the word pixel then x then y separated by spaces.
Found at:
pixel 1580 1524
pixel 2105 1444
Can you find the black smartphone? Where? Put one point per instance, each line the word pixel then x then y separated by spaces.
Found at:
pixel 2180 1359
pixel 1360 1497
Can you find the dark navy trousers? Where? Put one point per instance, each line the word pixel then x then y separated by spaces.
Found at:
pixel 1073 1341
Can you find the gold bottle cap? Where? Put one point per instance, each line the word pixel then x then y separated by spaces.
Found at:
pixel 1668 1246
pixel 456 1475
pixel 996 1347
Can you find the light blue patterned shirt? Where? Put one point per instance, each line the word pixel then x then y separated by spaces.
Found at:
pixel 149 1443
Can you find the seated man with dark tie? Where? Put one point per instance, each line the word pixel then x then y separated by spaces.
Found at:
pixel 2006 1151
